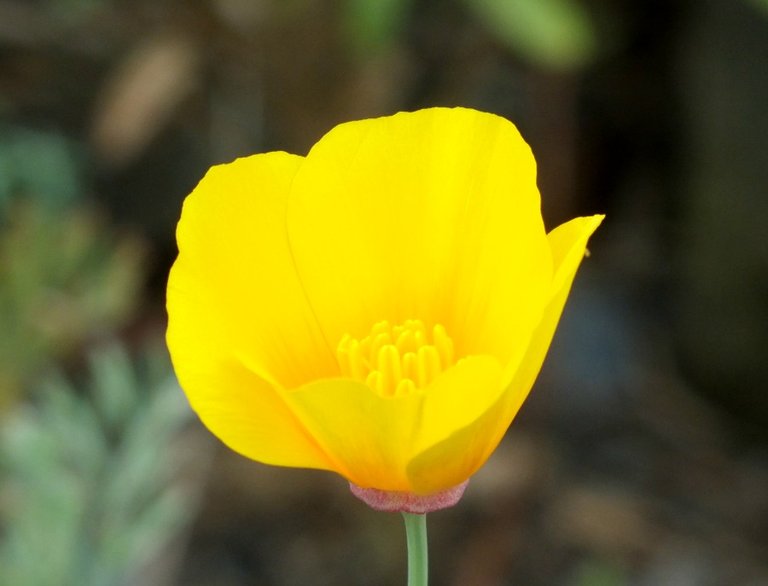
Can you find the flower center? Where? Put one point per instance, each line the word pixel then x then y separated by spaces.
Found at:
pixel 396 360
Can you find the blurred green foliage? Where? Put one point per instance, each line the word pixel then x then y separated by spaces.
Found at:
pixel 90 476
pixel 372 25
pixel 65 277
pixel 42 165
pixel 553 34
pixel 760 4
pixel 600 573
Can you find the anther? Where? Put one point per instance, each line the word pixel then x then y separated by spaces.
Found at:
pixel 389 366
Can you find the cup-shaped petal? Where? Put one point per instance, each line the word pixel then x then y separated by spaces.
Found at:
pixel 460 455
pixel 234 302
pixel 432 215
pixel 373 438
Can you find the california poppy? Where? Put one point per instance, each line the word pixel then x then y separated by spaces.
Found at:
pixel 379 308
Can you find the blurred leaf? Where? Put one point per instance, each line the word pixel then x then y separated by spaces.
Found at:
pixel 373 25
pixel 37 163
pixel 63 278
pixel 761 5
pixel 114 387
pixel 94 493
pixel 556 34
pixel 600 573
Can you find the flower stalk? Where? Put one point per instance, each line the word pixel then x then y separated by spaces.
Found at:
pixel 418 558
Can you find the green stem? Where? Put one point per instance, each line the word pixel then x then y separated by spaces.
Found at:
pixel 418 559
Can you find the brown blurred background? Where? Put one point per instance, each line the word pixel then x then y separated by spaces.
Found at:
pixel 641 457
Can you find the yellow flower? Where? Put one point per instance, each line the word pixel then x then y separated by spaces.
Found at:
pixel 379 308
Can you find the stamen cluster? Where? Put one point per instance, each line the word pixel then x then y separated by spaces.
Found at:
pixel 396 360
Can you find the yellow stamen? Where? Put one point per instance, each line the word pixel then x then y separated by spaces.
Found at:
pixel 389 366
pixel 396 360
pixel 405 387
pixel 373 380
pixel 443 344
pixel 409 365
pixel 427 365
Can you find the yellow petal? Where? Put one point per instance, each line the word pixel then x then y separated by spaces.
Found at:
pixel 372 438
pixel 238 320
pixel 233 253
pixel 455 459
pixel 431 215
pixel 568 243
pixel 457 398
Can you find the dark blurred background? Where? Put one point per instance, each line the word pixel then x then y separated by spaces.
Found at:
pixel 641 457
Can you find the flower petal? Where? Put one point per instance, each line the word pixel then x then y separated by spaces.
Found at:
pixel 234 255
pixel 568 243
pixel 432 215
pixel 238 320
pixel 372 437
pixel 455 459
pixel 456 399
